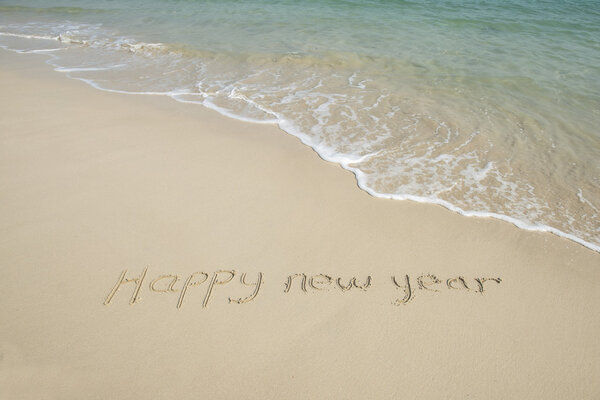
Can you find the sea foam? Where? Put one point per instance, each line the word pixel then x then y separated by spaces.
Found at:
pixel 448 144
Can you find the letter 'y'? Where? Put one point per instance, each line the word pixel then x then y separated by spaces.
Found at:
pixel 408 294
pixel 256 289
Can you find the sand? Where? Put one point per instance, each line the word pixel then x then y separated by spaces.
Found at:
pixel 210 219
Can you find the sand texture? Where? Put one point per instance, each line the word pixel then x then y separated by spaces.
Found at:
pixel 157 250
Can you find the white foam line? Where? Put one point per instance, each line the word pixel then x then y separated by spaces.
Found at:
pixel 584 200
pixel 40 51
pixel 173 94
pixel 83 69
pixel 480 214
pixel 24 36
pixel 235 95
pixel 223 111
pixel 344 161
pixel 96 86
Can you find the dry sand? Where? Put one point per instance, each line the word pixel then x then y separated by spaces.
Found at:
pixel 95 183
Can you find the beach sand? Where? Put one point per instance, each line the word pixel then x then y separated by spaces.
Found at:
pixel 96 186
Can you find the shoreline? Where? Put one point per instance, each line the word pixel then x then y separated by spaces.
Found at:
pixel 341 160
pixel 97 183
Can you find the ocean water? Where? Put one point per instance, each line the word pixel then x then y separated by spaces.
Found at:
pixel 489 108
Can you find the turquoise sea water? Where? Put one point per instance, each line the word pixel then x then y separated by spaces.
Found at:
pixel 489 108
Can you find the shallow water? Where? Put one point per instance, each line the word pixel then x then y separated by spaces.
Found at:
pixel 489 108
